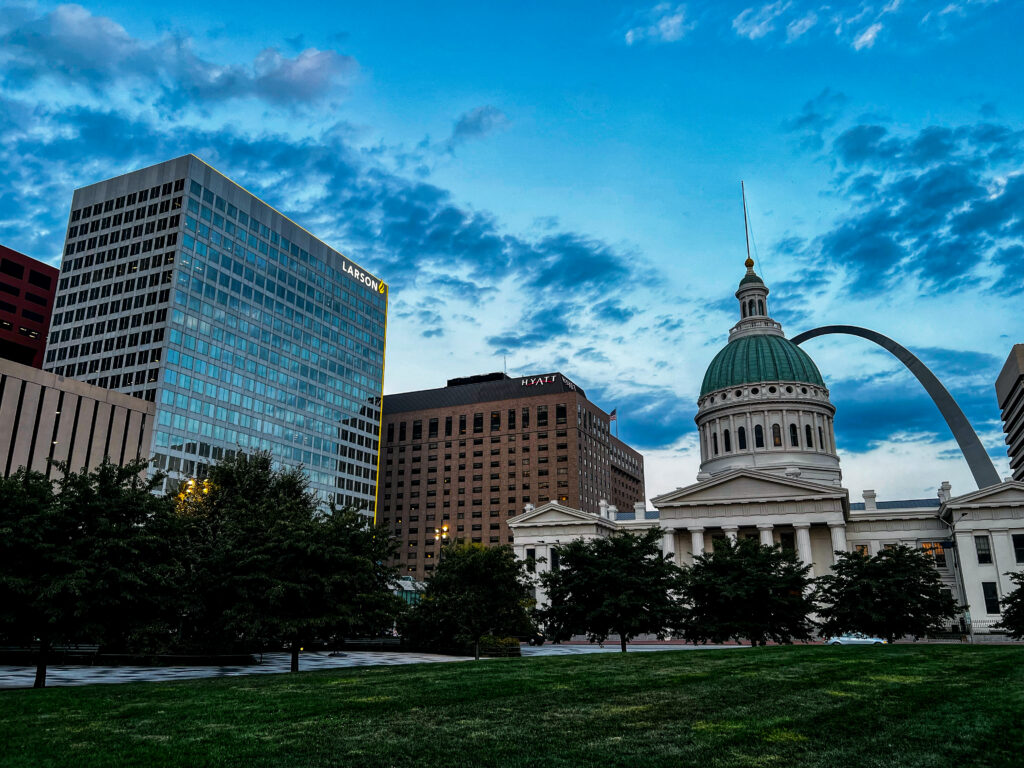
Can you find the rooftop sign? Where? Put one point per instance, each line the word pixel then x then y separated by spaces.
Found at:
pixel 547 378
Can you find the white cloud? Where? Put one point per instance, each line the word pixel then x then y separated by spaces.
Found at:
pixel 755 24
pixel 664 23
pixel 866 39
pixel 70 45
pixel 798 27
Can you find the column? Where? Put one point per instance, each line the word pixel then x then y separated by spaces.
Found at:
pixel 803 542
pixel 668 543
pixel 731 531
pixel 1004 558
pixel 838 537
pixel 697 541
pixel 767 535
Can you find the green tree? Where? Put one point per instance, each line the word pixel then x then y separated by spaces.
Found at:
pixel 747 591
pixel 620 585
pixel 77 564
pixel 897 592
pixel 1012 620
pixel 262 564
pixel 475 591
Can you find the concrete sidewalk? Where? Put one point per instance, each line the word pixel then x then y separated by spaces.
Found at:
pixel 273 663
pixel 277 663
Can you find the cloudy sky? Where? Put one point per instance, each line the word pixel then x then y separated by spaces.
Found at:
pixel 557 188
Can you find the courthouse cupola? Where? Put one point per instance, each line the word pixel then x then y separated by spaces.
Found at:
pixel 763 403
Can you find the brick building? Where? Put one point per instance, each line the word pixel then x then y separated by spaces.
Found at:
pixel 472 454
pixel 27 288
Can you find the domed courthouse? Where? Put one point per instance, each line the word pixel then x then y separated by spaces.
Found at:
pixel 763 404
pixel 768 452
pixel 769 469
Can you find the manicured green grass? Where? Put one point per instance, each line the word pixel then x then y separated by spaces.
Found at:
pixel 804 706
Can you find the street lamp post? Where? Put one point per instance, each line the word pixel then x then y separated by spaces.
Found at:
pixel 441 534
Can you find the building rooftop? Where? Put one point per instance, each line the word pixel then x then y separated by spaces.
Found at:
pixel 485 388
pixel 858 506
pixel 755 359
pixel 650 514
pixel 1012 372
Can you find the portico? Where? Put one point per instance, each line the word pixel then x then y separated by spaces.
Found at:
pixel 746 503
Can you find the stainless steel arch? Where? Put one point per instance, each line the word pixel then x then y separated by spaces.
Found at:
pixel 977 457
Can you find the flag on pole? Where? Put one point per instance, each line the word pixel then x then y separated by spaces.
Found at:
pixel 614 415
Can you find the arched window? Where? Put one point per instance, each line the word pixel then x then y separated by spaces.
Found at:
pixel 741 438
pixel 714 442
pixel 760 306
pixel 808 437
pixel 794 436
pixel 776 436
pixel 758 436
pixel 728 441
pixel 750 307
pixel 821 439
pixel 743 309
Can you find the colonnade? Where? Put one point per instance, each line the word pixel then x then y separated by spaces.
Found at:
pixel 766 535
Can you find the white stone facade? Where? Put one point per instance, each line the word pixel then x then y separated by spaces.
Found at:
pixel 770 470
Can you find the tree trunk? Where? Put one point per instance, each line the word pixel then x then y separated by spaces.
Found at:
pixel 44 652
pixel 295 655
pixel 622 641
pixel 476 649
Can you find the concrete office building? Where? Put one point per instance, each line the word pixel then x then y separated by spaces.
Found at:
pixel 472 454
pixel 1010 396
pixel 27 289
pixel 44 416
pixel 246 331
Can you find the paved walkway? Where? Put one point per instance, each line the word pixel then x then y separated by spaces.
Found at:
pixel 613 647
pixel 275 663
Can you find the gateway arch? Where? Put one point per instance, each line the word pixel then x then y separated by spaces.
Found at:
pixel 977 457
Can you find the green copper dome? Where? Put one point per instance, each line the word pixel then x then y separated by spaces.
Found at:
pixel 751 278
pixel 753 359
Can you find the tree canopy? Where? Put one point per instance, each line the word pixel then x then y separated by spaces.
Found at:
pixel 240 561
pixel 263 565
pixel 1012 620
pixel 620 585
pixel 896 592
pixel 77 556
pixel 475 591
pixel 746 591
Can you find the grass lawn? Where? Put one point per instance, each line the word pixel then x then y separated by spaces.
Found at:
pixel 901 705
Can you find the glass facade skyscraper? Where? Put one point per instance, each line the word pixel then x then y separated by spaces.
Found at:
pixel 249 333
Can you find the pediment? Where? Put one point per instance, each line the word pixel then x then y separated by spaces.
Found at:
pixel 553 513
pixel 747 485
pixel 1008 494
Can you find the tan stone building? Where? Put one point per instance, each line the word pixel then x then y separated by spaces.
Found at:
pixel 44 416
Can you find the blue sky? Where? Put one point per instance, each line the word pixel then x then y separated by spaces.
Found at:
pixel 558 187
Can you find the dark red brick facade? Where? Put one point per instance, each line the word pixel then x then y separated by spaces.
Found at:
pixel 27 290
